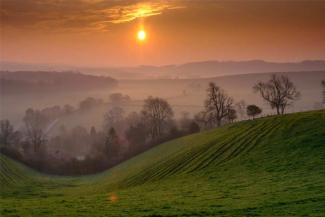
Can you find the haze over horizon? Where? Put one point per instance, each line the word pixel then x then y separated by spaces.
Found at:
pixel 100 33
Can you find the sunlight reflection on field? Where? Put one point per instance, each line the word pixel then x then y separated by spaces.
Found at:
pixel 112 197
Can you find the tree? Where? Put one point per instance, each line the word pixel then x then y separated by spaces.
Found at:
pixel 93 132
pixel 112 143
pixel 118 98
pixel 93 135
pixel 253 110
pixel 133 118
pixel 279 92
pixel 35 123
pixel 89 103
pixel 136 135
pixel 157 112
pixel 6 133
pixel 323 85
pixel 232 115
pixel 218 103
pixel 193 127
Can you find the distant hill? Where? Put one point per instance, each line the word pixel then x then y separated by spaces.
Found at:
pixel 272 166
pixel 44 81
pixel 202 69
pixel 223 68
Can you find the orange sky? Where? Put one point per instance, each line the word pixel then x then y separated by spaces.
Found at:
pixel 103 32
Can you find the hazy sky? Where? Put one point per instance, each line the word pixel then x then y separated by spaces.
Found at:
pixel 103 32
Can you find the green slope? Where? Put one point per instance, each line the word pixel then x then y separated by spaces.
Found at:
pixel 267 167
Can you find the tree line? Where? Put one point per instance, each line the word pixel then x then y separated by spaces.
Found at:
pixel 125 135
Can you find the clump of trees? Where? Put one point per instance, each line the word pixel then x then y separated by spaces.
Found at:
pixel 89 103
pixel 79 150
pixel 279 92
pixel 119 99
pixel 253 110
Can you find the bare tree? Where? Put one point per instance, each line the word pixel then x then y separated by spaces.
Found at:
pixel 218 103
pixel 35 124
pixel 279 92
pixel 253 110
pixel 157 113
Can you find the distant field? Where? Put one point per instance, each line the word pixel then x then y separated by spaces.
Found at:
pixel 272 166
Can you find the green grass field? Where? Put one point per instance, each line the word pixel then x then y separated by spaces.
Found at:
pixel 271 166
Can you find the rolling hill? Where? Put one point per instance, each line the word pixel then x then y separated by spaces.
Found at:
pixel 18 82
pixel 273 166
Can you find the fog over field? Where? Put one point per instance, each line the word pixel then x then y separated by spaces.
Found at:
pixel 184 95
pixel 77 103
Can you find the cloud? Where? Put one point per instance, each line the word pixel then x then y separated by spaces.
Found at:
pixel 80 15
pixel 131 12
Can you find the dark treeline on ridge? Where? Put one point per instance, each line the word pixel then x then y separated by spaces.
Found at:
pixel 44 81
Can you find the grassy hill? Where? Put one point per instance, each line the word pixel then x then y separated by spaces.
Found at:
pixel 272 166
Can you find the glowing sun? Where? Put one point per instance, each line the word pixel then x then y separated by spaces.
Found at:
pixel 141 35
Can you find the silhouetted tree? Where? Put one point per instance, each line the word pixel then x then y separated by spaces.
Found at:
pixel 6 132
pixel 136 135
pixel 253 110
pixel 112 143
pixel 157 112
pixel 279 92
pixel 93 131
pixel 193 127
pixel 218 103
pixel 35 124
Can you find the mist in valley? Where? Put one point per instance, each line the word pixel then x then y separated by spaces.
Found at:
pixel 90 128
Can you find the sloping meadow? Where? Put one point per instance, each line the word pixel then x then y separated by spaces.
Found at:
pixel 271 166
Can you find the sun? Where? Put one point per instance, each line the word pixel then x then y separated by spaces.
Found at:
pixel 141 35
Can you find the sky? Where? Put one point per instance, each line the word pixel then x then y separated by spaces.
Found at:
pixel 102 33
